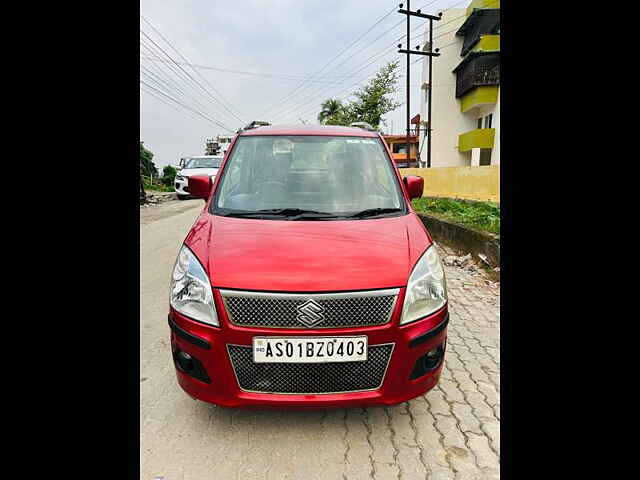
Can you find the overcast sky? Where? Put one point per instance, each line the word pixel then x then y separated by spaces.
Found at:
pixel 281 45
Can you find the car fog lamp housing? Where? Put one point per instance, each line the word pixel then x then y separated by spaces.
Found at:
pixel 426 289
pixel 190 290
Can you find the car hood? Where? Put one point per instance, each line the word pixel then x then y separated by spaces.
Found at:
pixel 187 172
pixel 308 256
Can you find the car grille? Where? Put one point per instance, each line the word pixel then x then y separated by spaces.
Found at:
pixel 338 310
pixel 302 378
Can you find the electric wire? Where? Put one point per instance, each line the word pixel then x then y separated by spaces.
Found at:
pixel 196 71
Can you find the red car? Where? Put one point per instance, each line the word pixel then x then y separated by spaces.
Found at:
pixel 308 280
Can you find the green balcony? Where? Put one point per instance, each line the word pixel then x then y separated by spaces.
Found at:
pixel 478 138
pixel 487 43
pixel 483 95
pixel 482 4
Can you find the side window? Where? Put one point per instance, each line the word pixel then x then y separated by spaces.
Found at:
pixel 487 120
pixel 480 122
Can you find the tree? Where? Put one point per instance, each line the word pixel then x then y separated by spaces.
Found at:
pixel 372 100
pixel 331 109
pixel 146 162
pixel 371 104
pixel 147 169
pixel 168 175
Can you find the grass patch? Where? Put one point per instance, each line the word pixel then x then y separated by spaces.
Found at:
pixel 157 186
pixel 483 216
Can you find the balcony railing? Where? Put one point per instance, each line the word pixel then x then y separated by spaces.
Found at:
pixel 482 22
pixel 477 71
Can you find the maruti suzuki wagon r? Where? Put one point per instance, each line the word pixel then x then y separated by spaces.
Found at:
pixel 307 280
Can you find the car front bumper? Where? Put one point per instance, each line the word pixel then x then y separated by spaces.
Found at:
pixel 208 346
pixel 181 186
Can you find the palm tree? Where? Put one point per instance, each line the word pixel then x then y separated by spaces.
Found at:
pixel 329 108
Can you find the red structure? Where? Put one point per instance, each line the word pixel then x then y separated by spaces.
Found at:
pixel 398 146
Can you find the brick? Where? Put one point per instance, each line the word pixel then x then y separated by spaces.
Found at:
pixel 485 457
pixel 451 391
pixel 466 419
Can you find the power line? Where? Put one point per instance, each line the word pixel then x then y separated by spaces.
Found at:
pixel 363 48
pixel 316 94
pixel 335 94
pixel 363 65
pixel 290 111
pixel 323 92
pixel 160 99
pixel 162 83
pixel 185 106
pixel 187 61
pixel 298 90
pixel 180 77
pixel 186 73
pixel 301 86
pixel 358 51
pixel 277 76
pixel 177 69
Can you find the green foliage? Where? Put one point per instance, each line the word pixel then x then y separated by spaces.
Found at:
pixel 147 167
pixel 332 113
pixel 484 216
pixel 168 175
pixel 372 101
pixel 156 186
pixel 371 104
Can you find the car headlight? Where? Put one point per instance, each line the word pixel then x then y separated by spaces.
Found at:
pixel 179 177
pixel 426 289
pixel 190 291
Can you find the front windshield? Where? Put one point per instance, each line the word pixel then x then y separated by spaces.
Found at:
pixel 203 162
pixel 295 175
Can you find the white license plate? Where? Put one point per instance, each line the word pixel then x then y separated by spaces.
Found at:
pixel 309 349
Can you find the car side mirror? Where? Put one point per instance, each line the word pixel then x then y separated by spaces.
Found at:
pixel 414 184
pixel 200 186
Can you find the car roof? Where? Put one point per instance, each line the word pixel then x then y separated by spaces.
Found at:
pixel 329 130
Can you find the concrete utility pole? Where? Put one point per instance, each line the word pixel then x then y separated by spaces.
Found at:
pixel 430 54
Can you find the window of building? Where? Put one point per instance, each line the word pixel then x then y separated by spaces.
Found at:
pixel 399 148
pixel 487 120
pixel 480 122
pixel 485 156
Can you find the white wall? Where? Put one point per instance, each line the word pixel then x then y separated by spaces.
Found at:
pixel 495 154
pixel 448 122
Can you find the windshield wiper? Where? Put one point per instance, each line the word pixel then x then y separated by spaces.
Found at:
pixel 372 212
pixel 288 213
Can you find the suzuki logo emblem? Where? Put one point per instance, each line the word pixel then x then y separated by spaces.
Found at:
pixel 310 313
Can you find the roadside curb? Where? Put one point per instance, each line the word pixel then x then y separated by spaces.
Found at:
pixel 462 238
pixel 157 198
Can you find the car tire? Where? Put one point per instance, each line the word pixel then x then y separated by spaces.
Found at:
pixel 183 197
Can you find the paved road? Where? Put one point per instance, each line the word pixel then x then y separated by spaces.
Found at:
pixel 453 432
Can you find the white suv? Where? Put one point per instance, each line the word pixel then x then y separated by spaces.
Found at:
pixel 204 165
